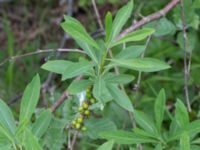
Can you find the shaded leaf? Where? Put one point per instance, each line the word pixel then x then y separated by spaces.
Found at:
pixel 145 122
pixel 120 97
pixel 42 123
pixel 78 86
pixel 131 52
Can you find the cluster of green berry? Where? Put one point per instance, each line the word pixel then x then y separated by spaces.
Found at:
pixel 84 112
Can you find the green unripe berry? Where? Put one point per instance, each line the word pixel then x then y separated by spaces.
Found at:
pixel 73 122
pixel 83 128
pixel 85 105
pixel 88 90
pixel 88 95
pixel 92 100
pixel 80 120
pixel 80 109
pixel 78 125
pixel 87 112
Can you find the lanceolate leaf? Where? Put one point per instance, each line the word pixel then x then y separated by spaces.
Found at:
pixel 131 52
pixel 6 134
pixel 96 126
pixel 159 108
pixel 120 97
pixel 108 25
pixel 135 36
pixel 41 124
pixel 30 99
pixel 139 64
pixel 31 142
pixel 57 66
pixel 185 141
pixel 181 115
pixel 120 19
pixel 88 49
pixel 106 146
pixel 118 79
pixel 100 90
pixel 76 69
pixel 74 28
pixel 145 122
pixel 6 118
pixel 125 137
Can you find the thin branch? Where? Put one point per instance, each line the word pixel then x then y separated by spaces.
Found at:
pixel 39 51
pixel 137 85
pixel 97 15
pixel 63 97
pixel 73 140
pixel 150 18
pixel 186 73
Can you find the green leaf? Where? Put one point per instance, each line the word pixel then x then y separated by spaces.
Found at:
pixel 159 108
pixel 57 66
pixel 185 141
pixel 75 29
pixel 145 122
pixel 55 137
pixel 41 124
pixel 88 49
pixel 6 119
pixel 139 64
pixel 100 90
pixel 193 128
pixel 120 97
pixel 30 99
pixel 120 19
pixel 141 132
pixel 97 126
pixel 181 114
pixel 125 137
pixel 31 142
pixel 6 134
pixel 131 52
pixel 164 27
pixel 134 36
pixel 76 69
pixel 78 86
pixel 108 24
pixel 158 147
pixel 118 79
pixel 106 146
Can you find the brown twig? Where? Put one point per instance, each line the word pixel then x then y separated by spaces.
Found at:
pixel 150 18
pixel 186 71
pixel 64 96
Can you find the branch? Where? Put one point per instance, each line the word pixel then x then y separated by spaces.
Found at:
pixel 150 18
pixel 186 71
pixel 59 101
pixel 39 52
